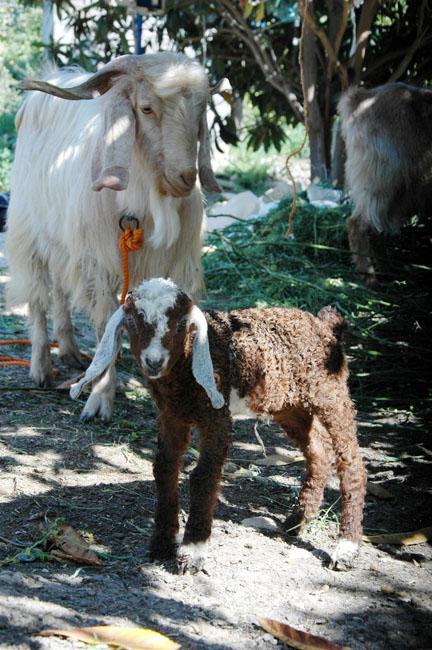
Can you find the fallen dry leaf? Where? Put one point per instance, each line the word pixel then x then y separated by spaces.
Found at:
pixel 280 459
pixel 405 539
pixel 296 638
pixel 262 523
pixel 242 472
pixel 377 490
pixel 70 545
pixel 132 638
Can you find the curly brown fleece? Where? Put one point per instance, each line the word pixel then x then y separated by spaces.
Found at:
pixel 288 365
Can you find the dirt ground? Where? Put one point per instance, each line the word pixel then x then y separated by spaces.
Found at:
pixel 99 480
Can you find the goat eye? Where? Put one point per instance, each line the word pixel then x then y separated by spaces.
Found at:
pixel 181 325
pixel 147 110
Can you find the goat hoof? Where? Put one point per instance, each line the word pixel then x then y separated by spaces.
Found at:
pixel 73 359
pixel 191 558
pixel 42 380
pixel 344 555
pixel 97 406
pixel 294 523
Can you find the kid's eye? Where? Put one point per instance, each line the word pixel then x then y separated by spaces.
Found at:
pixel 147 110
pixel 181 325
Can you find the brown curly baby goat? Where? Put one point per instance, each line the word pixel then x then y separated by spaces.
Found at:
pixel 204 369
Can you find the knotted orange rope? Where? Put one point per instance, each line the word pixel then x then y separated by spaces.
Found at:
pixel 129 241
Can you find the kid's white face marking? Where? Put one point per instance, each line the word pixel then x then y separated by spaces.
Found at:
pixel 154 298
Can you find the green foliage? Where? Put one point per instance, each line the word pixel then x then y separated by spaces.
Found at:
pixel 20 54
pixel 6 157
pixel 100 31
pixel 254 264
pixel 258 169
pixel 272 27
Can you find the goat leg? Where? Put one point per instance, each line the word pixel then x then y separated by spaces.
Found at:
pixel 204 487
pixel 41 367
pixel 172 442
pixel 352 477
pixel 63 329
pixel 360 245
pixel 317 449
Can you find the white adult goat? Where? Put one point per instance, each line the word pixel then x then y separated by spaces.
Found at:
pixel 136 133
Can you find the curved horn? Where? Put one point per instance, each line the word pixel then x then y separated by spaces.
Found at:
pixel 97 84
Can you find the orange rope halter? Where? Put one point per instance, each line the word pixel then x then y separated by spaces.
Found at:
pixel 129 241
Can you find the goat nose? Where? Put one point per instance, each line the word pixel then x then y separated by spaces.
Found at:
pixel 154 365
pixel 188 178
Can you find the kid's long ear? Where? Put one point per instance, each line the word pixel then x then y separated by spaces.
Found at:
pixel 105 353
pixel 113 153
pixel 202 365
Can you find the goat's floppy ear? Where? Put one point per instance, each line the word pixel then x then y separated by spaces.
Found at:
pixel 112 156
pixel 202 366
pixel 206 175
pixel 105 353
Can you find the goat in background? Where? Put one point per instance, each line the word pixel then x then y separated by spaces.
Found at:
pixel 124 141
pixel 388 136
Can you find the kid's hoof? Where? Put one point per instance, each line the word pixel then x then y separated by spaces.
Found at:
pixel 160 551
pixel 344 555
pixel 294 523
pixel 191 558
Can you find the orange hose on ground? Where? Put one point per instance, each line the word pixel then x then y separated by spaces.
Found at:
pixel 129 241
pixel 12 361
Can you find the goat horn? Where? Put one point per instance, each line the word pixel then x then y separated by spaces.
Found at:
pixel 97 84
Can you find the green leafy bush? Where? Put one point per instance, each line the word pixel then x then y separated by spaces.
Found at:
pixel 253 264
pixel 20 56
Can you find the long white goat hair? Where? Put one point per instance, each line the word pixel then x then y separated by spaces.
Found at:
pixel 65 213
pixel 129 144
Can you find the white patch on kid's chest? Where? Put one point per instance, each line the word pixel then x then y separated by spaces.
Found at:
pixel 239 407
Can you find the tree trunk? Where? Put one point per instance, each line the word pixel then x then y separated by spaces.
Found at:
pixel 315 122
pixel 47 27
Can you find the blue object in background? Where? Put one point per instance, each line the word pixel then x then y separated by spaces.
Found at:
pixel 151 5
pixel 4 202
pixel 138 34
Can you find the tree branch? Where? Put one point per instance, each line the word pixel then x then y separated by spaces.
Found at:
pixel 266 60
pixel 368 13
pixel 421 33
pixel 332 52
